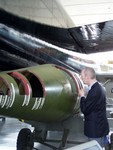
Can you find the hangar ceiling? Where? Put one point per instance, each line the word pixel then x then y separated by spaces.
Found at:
pixel 84 12
pixel 80 12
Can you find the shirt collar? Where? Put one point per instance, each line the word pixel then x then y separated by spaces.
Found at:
pixel 91 85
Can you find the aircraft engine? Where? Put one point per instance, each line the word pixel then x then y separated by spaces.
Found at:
pixel 45 93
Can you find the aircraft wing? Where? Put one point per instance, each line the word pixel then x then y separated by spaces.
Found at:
pixel 26 43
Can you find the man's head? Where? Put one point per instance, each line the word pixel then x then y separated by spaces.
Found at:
pixel 88 75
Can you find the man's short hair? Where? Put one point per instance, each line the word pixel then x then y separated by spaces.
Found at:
pixel 89 71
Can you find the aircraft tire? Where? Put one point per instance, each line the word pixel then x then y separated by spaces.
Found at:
pixel 25 140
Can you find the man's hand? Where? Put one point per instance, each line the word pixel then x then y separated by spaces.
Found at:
pixel 81 92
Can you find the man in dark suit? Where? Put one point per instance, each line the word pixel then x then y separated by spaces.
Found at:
pixel 93 106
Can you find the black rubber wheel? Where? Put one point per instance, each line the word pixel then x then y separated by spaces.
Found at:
pixel 3 118
pixel 25 140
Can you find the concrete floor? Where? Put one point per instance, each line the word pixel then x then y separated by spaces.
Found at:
pixel 10 128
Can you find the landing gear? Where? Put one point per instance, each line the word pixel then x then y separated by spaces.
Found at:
pixel 64 139
pixel 25 140
pixel 3 119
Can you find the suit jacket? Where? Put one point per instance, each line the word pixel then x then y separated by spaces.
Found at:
pixel 94 109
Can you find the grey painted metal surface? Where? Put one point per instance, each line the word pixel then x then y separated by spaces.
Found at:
pixel 8 132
